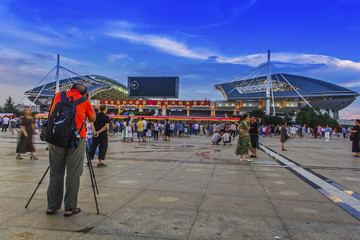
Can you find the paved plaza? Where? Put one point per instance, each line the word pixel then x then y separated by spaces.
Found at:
pixel 189 189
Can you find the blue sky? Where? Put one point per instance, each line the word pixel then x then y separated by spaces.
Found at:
pixel 203 42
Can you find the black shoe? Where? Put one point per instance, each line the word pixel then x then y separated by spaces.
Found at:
pixel 253 156
pixel 101 165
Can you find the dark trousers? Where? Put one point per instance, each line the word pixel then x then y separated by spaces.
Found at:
pixel 156 135
pixel 233 133
pixel 71 159
pixel 5 127
pixel 102 142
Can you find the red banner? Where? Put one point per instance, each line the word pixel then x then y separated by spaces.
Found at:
pixel 165 117
pixel 156 103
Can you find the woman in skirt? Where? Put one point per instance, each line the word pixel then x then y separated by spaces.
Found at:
pixel 27 125
pixel 243 144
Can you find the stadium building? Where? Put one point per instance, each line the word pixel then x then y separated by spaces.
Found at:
pixel 290 93
pixel 99 87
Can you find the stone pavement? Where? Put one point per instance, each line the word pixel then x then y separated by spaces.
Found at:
pixel 185 189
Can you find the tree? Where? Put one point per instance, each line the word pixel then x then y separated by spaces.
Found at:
pixel 312 119
pixel 273 120
pixel 258 113
pixel 287 118
pixel 9 107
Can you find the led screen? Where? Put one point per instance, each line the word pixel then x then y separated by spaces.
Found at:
pixel 153 87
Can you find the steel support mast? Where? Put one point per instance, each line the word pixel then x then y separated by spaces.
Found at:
pixel 268 86
pixel 57 74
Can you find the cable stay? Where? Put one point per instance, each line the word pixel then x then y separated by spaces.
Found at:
pixel 260 79
pixel 296 90
pixel 54 74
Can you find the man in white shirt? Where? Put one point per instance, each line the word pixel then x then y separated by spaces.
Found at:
pixel 196 127
pixel 6 121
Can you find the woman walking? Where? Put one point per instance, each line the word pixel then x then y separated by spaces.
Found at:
pixel 243 144
pixel 128 130
pixel 283 136
pixel 27 126
pixel 355 138
pixel 13 125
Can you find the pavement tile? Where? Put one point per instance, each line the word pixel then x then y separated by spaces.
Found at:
pixel 237 226
pixel 167 200
pixel 312 211
pixel 33 233
pixel 244 206
pixel 105 236
pixel 148 222
pixel 186 186
pixel 300 230
pixel 37 218
pixel 127 182
pixel 238 189
pixel 291 189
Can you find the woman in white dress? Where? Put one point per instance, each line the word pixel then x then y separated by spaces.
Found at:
pixel 128 130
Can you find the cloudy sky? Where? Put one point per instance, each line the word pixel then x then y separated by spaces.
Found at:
pixel 205 42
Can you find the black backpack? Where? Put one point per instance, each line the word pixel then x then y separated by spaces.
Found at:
pixel 61 129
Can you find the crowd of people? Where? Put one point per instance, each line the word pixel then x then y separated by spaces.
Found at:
pixel 325 132
pixel 142 130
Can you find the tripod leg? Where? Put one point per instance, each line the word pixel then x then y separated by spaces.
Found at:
pixel 93 187
pixel 37 186
pixel 92 177
pixel 89 163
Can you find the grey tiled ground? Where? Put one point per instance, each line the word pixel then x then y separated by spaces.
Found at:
pixel 184 189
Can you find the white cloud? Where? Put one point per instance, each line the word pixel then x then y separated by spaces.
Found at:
pixel 74 61
pixel 352 111
pixel 352 84
pixel 293 58
pixel 20 71
pixel 164 44
pixel 176 48
pixel 113 57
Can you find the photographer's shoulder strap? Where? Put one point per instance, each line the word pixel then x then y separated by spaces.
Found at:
pixel 52 103
pixel 79 101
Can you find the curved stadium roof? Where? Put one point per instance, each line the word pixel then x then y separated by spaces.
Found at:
pixel 94 84
pixel 255 88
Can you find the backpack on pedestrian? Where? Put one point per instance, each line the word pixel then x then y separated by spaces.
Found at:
pixel 61 129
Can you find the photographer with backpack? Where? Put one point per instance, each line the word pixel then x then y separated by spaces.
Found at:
pixel 66 133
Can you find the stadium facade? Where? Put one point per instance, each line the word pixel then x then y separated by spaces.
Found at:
pixel 42 95
pixel 290 93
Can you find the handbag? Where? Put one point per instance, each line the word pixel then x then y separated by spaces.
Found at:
pixel 352 137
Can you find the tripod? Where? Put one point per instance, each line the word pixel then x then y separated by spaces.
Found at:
pixel 92 178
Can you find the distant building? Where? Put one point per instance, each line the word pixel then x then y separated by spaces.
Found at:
pixel 250 94
pixel 22 106
pixel 96 84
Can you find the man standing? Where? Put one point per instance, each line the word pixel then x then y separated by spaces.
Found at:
pixel 344 132
pixel 144 129
pixel 100 136
pixel 70 159
pixel 140 130
pixel 196 128
pixel 355 132
pixel 254 135
pixel 233 129
pixel 5 122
